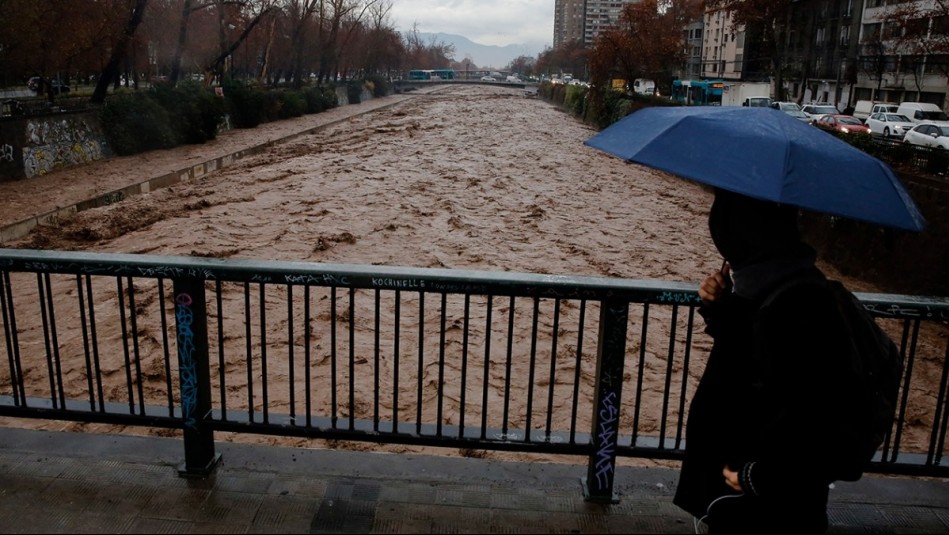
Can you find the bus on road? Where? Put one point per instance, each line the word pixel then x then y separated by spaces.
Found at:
pixel 698 92
pixel 432 74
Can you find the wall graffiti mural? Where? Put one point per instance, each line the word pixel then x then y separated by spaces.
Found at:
pixel 53 143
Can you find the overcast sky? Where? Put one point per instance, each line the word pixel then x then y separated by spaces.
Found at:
pixel 486 22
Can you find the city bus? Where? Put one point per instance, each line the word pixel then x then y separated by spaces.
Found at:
pixel 432 74
pixel 698 92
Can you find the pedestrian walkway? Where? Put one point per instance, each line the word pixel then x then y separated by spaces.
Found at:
pixel 59 482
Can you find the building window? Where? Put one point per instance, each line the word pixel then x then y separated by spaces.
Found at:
pixel 738 60
pixel 871 33
pixel 844 36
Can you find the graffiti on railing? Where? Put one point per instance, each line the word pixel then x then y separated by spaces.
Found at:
pixel 189 380
pixel 606 439
pixel 508 436
pixel 161 271
pixel 899 311
pixel 684 298
pixel 323 278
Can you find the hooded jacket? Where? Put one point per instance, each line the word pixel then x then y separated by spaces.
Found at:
pixel 773 401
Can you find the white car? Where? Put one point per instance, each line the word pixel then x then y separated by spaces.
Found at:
pixel 889 125
pixel 816 111
pixel 488 79
pixel 792 109
pixel 929 134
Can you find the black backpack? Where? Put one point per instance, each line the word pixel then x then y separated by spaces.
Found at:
pixel 877 367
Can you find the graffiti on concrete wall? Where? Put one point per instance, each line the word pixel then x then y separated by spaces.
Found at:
pixel 53 143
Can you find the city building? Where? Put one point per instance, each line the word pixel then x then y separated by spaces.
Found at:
pixel 837 52
pixel 585 20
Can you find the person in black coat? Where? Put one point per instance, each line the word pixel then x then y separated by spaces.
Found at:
pixel 771 415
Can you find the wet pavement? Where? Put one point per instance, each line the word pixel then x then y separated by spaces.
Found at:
pixel 59 482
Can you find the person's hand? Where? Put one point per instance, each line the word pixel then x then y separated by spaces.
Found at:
pixel 715 285
pixel 731 478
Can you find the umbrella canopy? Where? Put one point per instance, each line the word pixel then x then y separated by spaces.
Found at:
pixel 765 154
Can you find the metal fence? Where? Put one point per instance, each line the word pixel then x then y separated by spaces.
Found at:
pixel 586 366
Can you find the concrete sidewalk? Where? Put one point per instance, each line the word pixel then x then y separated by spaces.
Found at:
pixel 56 482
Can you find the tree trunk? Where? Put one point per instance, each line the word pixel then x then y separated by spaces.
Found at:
pixel 182 42
pixel 118 53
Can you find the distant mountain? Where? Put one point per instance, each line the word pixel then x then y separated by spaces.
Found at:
pixel 494 56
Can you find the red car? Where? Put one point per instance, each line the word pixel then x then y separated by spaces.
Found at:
pixel 848 124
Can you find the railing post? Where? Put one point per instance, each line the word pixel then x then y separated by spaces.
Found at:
pixel 194 371
pixel 611 354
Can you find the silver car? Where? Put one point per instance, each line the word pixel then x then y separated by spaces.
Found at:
pixel 930 134
pixel 816 111
pixel 889 125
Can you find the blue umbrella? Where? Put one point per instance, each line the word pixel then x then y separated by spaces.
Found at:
pixel 765 154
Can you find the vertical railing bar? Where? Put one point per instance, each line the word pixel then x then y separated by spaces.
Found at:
pixel 553 368
pixel 531 370
pixel 249 353
pixel 909 353
pixel 507 366
pixel 10 337
pixel 936 437
pixel 125 344
pixel 292 385
pixel 95 344
pixel 942 405
pixel 264 380
pixel 54 337
pixel 670 360
pixel 12 342
pixel 133 315
pixel 680 425
pixel 46 342
pixel 421 362
pixel 463 387
pixel 576 373
pixel 333 404
pixel 441 366
pixel 640 372
pixel 306 355
pixel 487 367
pixel 87 353
pixel 352 358
pixel 376 350
pixel 222 370
pixel 165 347
pixel 395 359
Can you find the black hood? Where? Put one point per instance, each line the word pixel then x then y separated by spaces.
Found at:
pixel 748 231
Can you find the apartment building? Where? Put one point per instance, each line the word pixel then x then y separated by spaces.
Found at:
pixel 585 20
pixel 887 68
pixel 835 51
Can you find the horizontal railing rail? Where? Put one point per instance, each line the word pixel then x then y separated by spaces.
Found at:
pixel 475 360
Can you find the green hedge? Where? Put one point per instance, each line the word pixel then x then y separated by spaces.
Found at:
pixel 165 116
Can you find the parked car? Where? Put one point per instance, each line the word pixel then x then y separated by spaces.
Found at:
pixel 38 86
pixel 888 125
pixel 865 108
pixel 847 124
pixel 792 109
pixel 919 112
pixel 488 79
pixel 816 111
pixel 929 134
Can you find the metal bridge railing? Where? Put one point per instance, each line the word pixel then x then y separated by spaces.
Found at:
pixel 595 367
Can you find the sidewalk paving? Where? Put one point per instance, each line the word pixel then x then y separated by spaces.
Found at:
pixel 59 482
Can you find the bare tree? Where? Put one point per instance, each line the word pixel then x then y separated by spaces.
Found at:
pixel 136 14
